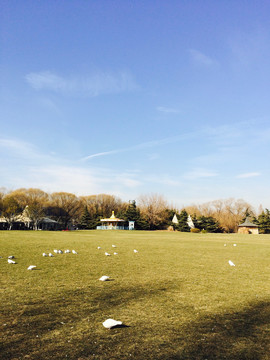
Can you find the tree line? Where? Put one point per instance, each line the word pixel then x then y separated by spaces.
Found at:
pixel 150 212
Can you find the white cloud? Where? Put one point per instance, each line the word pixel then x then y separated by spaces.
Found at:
pixel 199 173
pixel 201 59
pixel 153 156
pixel 87 86
pixel 248 175
pixel 168 110
pixel 18 147
pixel 164 180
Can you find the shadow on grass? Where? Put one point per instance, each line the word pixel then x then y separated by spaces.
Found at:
pixel 24 328
pixel 241 335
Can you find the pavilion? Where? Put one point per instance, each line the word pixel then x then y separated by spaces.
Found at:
pixel 248 228
pixel 112 223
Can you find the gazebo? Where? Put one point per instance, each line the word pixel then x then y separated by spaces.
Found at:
pixel 112 223
pixel 248 228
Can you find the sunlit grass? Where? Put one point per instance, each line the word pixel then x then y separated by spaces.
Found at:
pixel 178 295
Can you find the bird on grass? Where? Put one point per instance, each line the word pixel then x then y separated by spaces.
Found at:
pixel 114 246
pixel 67 251
pixel 55 251
pixel 60 252
pixel 107 254
pixel 115 253
pixel 231 263
pixel 104 278
pixel 135 251
pixel 99 247
pixel 50 254
pixel 11 261
pixel 11 257
pixel 234 245
pixel 74 252
pixel 31 267
pixel 111 323
pixel 44 254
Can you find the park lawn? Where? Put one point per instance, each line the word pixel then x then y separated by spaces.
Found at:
pixel 178 296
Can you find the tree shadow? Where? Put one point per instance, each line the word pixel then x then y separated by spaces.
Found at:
pixel 240 335
pixel 236 335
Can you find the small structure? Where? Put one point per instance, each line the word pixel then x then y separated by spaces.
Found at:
pixel 190 222
pixel 248 228
pixel 112 223
pixel 48 224
pixel 131 225
pixel 175 220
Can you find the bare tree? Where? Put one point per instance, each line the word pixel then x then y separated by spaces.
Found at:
pixel 65 207
pixel 153 208
pixel 228 212
pixel 10 209
pixel 33 201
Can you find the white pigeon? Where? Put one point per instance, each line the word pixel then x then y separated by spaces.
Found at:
pixel 31 267
pixel 135 251
pixel 11 257
pixel 44 254
pixel 104 278
pixel 107 254
pixel 67 251
pixel 99 247
pixel 225 244
pixel 113 245
pixel 55 251
pixel 231 263
pixel 50 254
pixel 74 252
pixel 11 261
pixel 234 244
pixel 115 253
pixel 60 252
pixel 110 323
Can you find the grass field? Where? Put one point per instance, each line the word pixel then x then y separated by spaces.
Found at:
pixel 178 296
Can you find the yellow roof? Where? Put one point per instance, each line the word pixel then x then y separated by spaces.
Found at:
pixel 112 218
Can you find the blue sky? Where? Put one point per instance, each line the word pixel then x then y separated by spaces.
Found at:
pixel 131 98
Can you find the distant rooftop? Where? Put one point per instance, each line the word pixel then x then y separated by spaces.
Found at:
pixel 248 223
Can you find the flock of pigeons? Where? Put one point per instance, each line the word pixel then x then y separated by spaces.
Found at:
pixel 33 267
pixel 109 323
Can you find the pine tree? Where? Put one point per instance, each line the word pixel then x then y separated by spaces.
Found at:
pixel 133 214
pixel 264 222
pixel 182 219
pixel 85 219
pixel 209 224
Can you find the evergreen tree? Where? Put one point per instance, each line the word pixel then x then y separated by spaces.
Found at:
pixel 264 222
pixel 209 224
pixel 86 220
pixel 182 219
pixel 133 214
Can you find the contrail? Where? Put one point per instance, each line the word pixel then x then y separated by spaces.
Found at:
pixel 148 144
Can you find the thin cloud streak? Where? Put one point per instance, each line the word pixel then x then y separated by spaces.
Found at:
pixel 168 110
pixel 248 175
pixel 199 173
pixel 145 145
pixel 88 86
pixel 18 147
pixel 201 59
